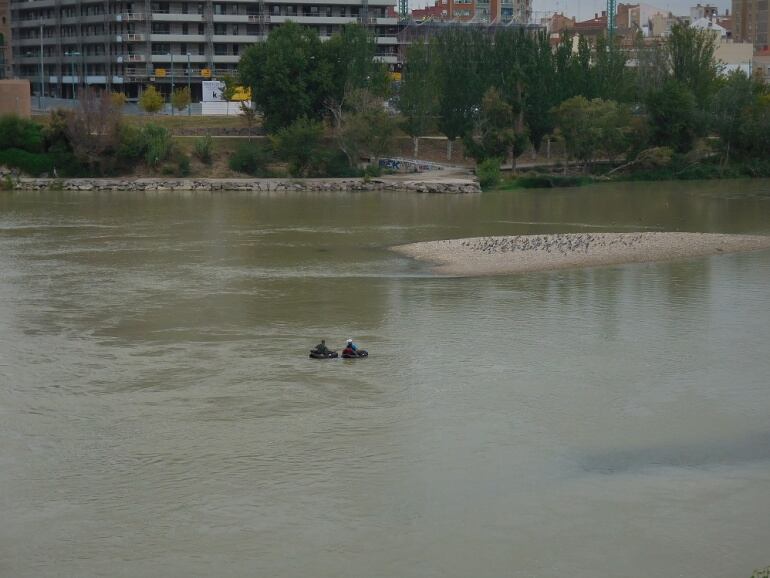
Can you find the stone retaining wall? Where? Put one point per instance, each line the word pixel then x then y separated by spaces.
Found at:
pixel 254 185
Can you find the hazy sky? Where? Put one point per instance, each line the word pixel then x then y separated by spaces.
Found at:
pixel 584 9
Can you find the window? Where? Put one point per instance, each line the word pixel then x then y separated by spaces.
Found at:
pixel 185 28
pixel 220 29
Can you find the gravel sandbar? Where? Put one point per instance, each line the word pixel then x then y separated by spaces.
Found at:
pixel 523 253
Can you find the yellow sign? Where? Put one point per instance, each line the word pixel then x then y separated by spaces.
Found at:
pixel 161 72
pixel 206 72
pixel 242 93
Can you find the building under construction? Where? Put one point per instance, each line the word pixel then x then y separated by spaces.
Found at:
pixel 62 46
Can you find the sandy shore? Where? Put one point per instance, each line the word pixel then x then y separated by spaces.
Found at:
pixel 518 254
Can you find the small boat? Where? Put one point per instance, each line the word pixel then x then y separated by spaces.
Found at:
pixel 356 355
pixel 328 355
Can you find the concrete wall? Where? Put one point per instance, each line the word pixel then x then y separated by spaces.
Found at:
pixel 15 98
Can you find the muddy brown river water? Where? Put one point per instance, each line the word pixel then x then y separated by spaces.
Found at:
pixel 159 415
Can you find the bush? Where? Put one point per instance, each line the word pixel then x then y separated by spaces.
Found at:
pixel 182 162
pixel 488 172
pixel 203 148
pixel 6 184
pixel 33 164
pixel 251 159
pixel 20 133
pixel 158 144
pixel 131 144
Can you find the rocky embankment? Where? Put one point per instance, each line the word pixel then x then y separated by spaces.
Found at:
pixel 432 185
pixel 523 253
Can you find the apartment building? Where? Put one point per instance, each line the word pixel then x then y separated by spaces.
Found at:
pixel 123 45
pixel 490 11
pixel 751 22
pixel 5 39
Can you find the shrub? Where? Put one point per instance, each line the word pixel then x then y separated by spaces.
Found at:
pixel 488 172
pixel 251 159
pixel 182 162
pixel 151 100
pixel 20 133
pixel 131 144
pixel 7 183
pixel 158 144
pixel 299 144
pixel 203 148
pixel 33 164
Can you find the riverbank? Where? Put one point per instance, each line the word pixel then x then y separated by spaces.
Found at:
pixel 428 183
pixel 524 253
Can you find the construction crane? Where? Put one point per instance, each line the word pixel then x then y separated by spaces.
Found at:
pixel 611 25
pixel 403 9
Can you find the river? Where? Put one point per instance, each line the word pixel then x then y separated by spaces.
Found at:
pixel 159 415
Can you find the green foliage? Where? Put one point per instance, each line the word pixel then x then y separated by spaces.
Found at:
pixel 203 148
pixel 55 132
pixel 7 184
pixel 157 144
pixel 488 173
pixel 495 134
pixel 674 117
pixel 20 133
pixel 180 98
pixel 252 159
pixel 691 60
pixel 349 57
pixel 131 143
pixel 151 100
pixel 417 97
pixel 287 75
pixel 118 99
pixel 592 127
pixel 34 164
pixel 299 144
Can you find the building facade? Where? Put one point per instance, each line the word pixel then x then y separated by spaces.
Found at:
pixel 751 22
pixel 489 11
pixel 5 39
pixel 124 45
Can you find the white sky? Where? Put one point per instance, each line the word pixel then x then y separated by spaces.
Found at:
pixel 584 9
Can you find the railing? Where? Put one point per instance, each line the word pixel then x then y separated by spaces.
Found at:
pixel 130 17
pixel 129 38
pixel 130 58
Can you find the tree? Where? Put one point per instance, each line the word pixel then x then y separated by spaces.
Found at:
pixel 151 100
pixel 417 95
pixel 118 99
pixel 350 58
pixel 495 135
pixel 458 54
pixel 248 114
pixel 362 127
pixel 300 145
pixel 592 127
pixel 691 60
pixel 287 75
pixel 673 116
pixel 180 98
pixel 93 127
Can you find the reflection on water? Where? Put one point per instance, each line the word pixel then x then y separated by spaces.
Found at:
pixel 159 415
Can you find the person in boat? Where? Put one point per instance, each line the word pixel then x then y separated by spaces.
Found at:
pixel 321 348
pixel 351 345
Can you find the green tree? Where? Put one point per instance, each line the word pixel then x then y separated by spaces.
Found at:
pixel 731 111
pixel 349 57
pixel 495 134
pixel 287 75
pixel 180 98
pixel 299 144
pixel 592 127
pixel 417 95
pixel 363 128
pixel 673 116
pixel 248 114
pixel 151 100
pixel 691 61
pixel 458 81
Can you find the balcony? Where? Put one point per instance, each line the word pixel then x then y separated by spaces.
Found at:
pixel 130 17
pixel 127 58
pixel 176 17
pixel 130 38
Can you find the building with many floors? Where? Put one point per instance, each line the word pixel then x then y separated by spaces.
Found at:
pixel 5 39
pixel 489 11
pixel 123 45
pixel 751 22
